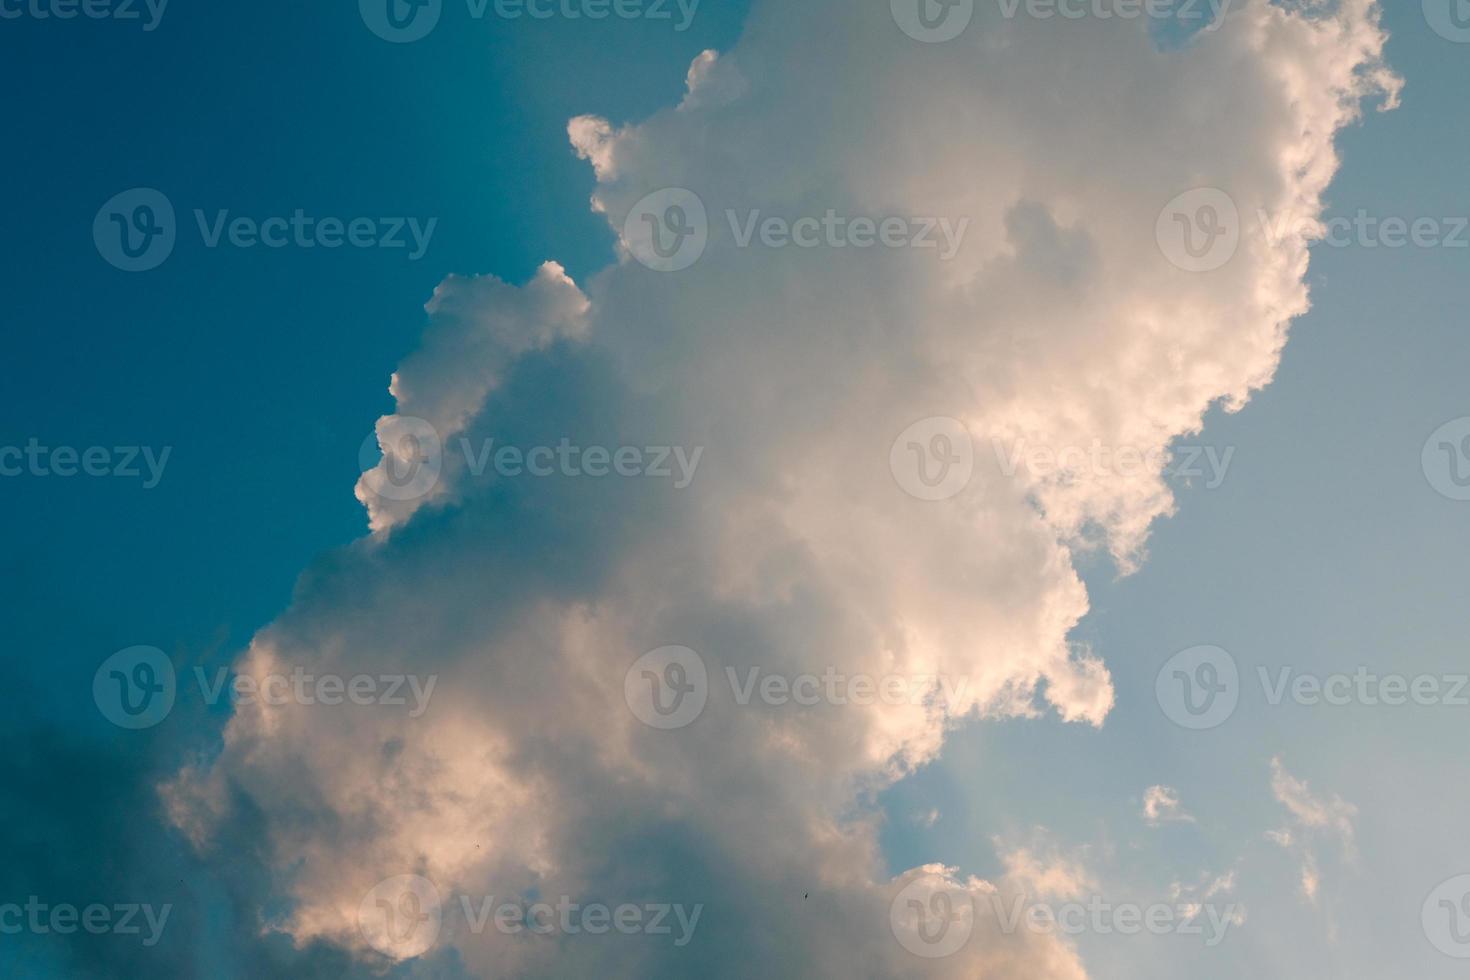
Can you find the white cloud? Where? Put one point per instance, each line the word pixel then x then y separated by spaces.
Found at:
pixel 1210 888
pixel 1314 818
pixel 1059 322
pixel 1161 805
pixel 1044 873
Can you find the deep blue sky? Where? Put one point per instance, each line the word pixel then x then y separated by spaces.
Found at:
pixel 263 369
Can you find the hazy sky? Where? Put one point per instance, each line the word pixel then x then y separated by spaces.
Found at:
pixel 847 497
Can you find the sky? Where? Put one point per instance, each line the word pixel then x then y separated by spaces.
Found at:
pixel 1132 427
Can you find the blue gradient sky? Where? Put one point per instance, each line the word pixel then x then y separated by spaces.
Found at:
pixel 1324 548
pixel 263 370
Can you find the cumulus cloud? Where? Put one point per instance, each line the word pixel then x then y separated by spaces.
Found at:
pixel 797 551
pixel 1161 805
pixel 1044 872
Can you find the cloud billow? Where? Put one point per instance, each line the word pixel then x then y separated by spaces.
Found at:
pixel 796 549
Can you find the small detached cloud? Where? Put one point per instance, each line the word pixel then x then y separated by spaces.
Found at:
pixel 1209 889
pixel 1161 806
pixel 1312 818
